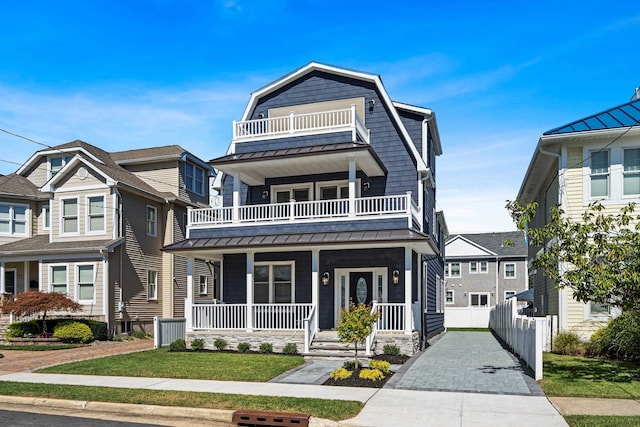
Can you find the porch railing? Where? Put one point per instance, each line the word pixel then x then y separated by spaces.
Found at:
pixel 295 124
pixel 264 316
pixel 391 320
pixel 310 328
pixel 364 207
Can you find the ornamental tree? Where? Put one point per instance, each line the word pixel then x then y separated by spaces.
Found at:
pixel 598 257
pixel 356 324
pixel 34 302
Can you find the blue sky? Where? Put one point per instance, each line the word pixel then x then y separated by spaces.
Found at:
pixel 129 74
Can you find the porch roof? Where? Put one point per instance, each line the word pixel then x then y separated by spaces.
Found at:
pixel 369 239
pixel 255 166
pixel 40 245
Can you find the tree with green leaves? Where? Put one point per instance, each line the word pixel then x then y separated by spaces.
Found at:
pixel 598 256
pixel 356 324
pixel 34 302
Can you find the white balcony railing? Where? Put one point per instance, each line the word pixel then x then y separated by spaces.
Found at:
pixel 312 211
pixel 296 124
pixel 264 316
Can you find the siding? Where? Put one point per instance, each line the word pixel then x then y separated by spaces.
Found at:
pixel 163 176
pixel 574 182
pixel 38 174
pixel 31 220
pixel 434 321
pixel 72 290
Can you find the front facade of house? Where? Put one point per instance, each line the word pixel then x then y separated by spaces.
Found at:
pixel 592 159
pixel 327 199
pixel 91 224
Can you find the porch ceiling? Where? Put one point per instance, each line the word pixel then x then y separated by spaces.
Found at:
pixel 255 166
pixel 216 247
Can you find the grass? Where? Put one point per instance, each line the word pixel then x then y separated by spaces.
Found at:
pixel 469 329
pixel 601 421
pixel 329 409
pixel 40 347
pixel 590 377
pixel 161 363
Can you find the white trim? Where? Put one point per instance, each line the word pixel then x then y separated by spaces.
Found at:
pixel 27 219
pixel 342 300
pixel 46 153
pixel 488 295
pixel 274 189
pixel 50 278
pixel 447 269
pixel 87 219
pixel 453 297
pixel 271 284
pixel 49 186
pixel 515 271
pixel 15 279
pixel 63 190
pixel 154 233
pixel 61 231
pixel 152 297
pixel 206 284
pixel 205 178
pixel 77 282
pixel 504 294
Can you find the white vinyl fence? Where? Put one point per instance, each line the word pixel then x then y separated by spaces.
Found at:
pixel 527 337
pixel 466 317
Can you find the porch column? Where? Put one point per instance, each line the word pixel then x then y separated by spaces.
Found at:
pixel 236 196
pixel 250 291
pixel 352 187
pixel 315 285
pixel 25 275
pixel 2 288
pixel 188 302
pixel 408 314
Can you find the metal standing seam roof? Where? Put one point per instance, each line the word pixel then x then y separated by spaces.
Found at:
pixel 624 115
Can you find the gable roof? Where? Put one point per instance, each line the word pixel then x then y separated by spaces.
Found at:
pixel 14 185
pixel 624 115
pixel 496 243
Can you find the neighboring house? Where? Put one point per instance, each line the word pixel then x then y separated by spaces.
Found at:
pixel 90 224
pixel 482 270
pixel 596 158
pixel 328 191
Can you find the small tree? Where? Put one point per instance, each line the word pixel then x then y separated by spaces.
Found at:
pixel 34 302
pixel 356 324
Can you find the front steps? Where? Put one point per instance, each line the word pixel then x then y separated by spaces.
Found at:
pixel 327 344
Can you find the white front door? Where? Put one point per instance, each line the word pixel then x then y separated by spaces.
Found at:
pixel 345 290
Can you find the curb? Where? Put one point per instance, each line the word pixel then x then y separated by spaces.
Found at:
pixel 178 413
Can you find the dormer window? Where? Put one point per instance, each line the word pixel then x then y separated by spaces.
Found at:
pixel 194 178
pixel 57 163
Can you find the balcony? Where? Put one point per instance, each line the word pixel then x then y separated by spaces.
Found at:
pixel 344 120
pixel 400 206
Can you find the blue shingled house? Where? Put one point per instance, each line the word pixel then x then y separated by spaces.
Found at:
pixel 327 197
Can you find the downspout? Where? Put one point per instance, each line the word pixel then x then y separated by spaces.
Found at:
pixel 120 227
pixel 105 288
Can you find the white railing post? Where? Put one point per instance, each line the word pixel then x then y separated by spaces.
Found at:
pixel 408 209
pixel 188 302
pixel 291 122
pixel 370 339
pixel 353 123
pixel 292 209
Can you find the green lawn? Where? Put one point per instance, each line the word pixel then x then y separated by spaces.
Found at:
pixel 598 421
pixel 329 409
pixel 590 377
pixel 161 363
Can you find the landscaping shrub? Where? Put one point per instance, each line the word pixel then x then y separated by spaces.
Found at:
pixel 73 332
pixel 290 348
pixel 568 343
pixel 351 365
pixel 117 338
pixel 380 365
pixel 1 355
pixel 99 330
pixel 23 329
pixel 243 347
pixel 197 344
pixel 178 345
pixel 620 339
pixel 391 350
pixel 340 374
pixel 371 374
pixel 139 334
pixel 266 347
pixel 220 344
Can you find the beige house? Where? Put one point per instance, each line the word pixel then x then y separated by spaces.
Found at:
pixel 595 158
pixel 79 220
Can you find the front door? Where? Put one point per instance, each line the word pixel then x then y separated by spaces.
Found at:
pixel 10 281
pixel 361 287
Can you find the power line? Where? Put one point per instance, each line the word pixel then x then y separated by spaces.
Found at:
pixel 25 138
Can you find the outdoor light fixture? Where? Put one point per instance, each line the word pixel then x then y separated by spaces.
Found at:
pixel 396 277
pixel 325 278
pixel 366 186
pixel 372 102
pixel 265 194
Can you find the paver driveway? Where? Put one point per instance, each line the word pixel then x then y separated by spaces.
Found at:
pixel 467 362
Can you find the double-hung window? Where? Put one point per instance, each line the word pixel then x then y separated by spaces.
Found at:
pixel 57 163
pixel 95 214
pixel 631 172
pixel 152 221
pixel 194 178
pixel 510 270
pixel 46 217
pixel 448 299
pixel 86 282
pixel 203 285
pixel 69 216
pixel 58 278
pixel 479 299
pixel 152 285
pixel 273 283
pixel 484 266
pixel 452 269
pixel 599 174
pixel 13 219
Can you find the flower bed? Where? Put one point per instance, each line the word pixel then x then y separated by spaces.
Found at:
pixel 34 341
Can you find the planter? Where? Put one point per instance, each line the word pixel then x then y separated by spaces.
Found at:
pixel 34 341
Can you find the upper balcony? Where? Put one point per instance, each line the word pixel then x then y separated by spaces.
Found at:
pixel 343 120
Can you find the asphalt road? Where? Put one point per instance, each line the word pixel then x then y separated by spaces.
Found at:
pixel 28 419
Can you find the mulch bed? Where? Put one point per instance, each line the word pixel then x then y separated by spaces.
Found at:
pixel 356 381
pixel 392 359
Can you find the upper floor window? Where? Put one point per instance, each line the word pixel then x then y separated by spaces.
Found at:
pixel 46 217
pixel 13 219
pixel 600 174
pixel 473 267
pixel 152 221
pixel 57 163
pixel 299 194
pixel 95 214
pixel 631 171
pixel 69 216
pixel 452 269
pixel 194 178
pixel 273 283
pixel 510 270
pixel 484 266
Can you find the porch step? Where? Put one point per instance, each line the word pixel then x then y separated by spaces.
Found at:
pixel 327 344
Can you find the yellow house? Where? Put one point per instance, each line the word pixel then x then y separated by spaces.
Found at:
pixel 596 158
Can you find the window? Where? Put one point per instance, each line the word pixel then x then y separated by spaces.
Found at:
pixel 273 283
pixel 440 297
pixel 508 294
pixel 203 285
pixel 69 216
pixel 152 221
pixel 95 214
pixel 484 266
pixel 152 285
pixel 58 278
pixel 509 270
pixel 332 192
pixel 600 174
pixel 452 269
pixel 448 299
pixel 13 219
pixel 594 310
pixel 194 178
pixel 57 163
pixel 86 282
pixel 297 194
pixel 631 172
pixel 479 299
pixel 473 267
pixel 46 216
